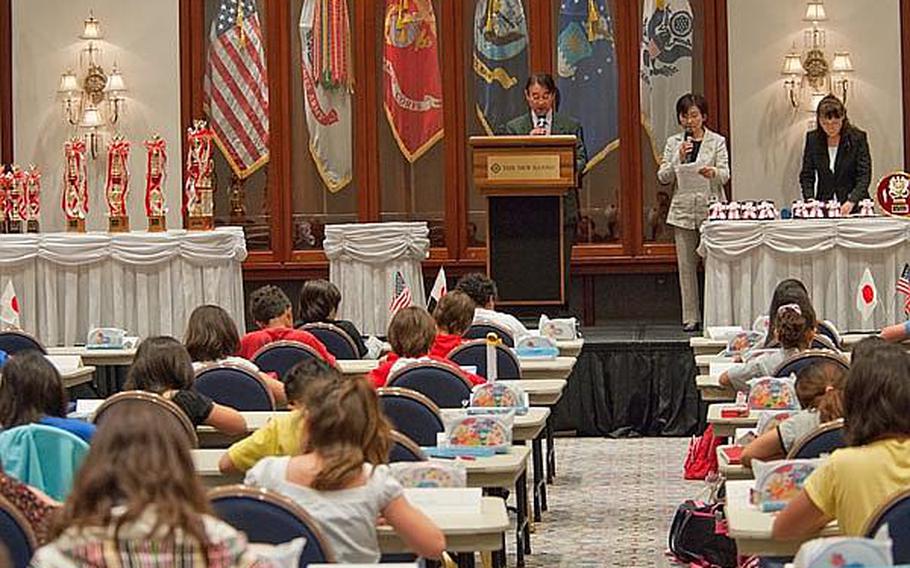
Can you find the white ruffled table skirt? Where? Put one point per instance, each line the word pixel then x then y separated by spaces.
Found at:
pixel 146 283
pixel 746 259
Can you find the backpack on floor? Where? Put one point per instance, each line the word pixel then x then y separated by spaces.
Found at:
pixel 698 536
pixel 701 459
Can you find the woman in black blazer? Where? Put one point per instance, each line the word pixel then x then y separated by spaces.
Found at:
pixel 834 138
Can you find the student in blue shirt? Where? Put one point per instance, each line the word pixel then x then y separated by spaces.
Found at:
pixel 31 391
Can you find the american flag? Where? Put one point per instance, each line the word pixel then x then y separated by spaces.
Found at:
pixel 903 287
pixel 236 87
pixel 401 297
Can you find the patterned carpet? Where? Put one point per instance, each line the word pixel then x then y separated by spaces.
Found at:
pixel 611 503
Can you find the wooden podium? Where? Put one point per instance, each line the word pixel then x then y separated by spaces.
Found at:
pixel 524 179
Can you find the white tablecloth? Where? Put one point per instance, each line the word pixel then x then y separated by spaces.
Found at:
pixel 746 259
pixel 363 259
pixel 146 283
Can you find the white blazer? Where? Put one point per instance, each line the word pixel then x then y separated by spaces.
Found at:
pixel 689 207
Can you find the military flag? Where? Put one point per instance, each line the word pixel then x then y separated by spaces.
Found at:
pixel 500 62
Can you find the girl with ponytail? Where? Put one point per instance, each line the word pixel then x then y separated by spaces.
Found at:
pixel 341 479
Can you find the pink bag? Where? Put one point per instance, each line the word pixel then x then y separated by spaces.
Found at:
pixel 701 459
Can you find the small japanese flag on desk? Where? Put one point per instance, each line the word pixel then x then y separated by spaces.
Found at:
pixel 9 308
pixel 866 296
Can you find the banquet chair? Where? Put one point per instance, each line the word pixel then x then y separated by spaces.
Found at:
pixel 480 331
pixel 440 382
pixel 404 449
pixel 821 341
pixel 412 414
pixel 895 513
pixel 167 409
pixel 13 341
pixel 335 339
pixel 474 353
pixel 16 534
pixel 281 356
pixel 823 440
pixel 233 386
pixel 271 518
pixel 44 457
pixel 827 329
pixel 800 361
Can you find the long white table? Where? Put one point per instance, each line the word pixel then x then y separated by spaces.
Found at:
pixel 531 369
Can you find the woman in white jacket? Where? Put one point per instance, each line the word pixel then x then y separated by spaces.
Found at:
pixel 689 208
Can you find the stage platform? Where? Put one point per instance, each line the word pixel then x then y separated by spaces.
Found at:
pixel 631 379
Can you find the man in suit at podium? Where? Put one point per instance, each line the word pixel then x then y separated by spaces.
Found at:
pixel 543 120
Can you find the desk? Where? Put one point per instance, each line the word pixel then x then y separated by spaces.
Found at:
pixel 724 427
pixel 731 472
pixel 710 389
pixel 77 376
pixel 559 368
pixel 706 346
pixel 751 528
pixel 98 357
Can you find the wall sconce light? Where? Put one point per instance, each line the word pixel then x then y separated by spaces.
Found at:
pixel 94 99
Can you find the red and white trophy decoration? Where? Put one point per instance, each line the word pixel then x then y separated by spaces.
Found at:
pixel 155 176
pixel 893 194
pixel 118 184
pixel 6 179
pixel 32 198
pixel 75 185
pixel 199 167
pixel 17 201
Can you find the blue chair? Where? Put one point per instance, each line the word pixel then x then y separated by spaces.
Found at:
pixel 234 386
pixel 281 356
pixel 412 414
pixel 166 408
pixel 800 361
pixel 824 342
pixel 480 331
pixel 896 514
pixel 335 339
pixel 404 449
pixel 474 353
pixel 440 383
pixel 16 534
pixel 44 457
pixel 823 440
pixel 271 518
pixel 826 329
pixel 14 341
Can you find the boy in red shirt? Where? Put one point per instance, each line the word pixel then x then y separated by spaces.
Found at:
pixel 453 314
pixel 270 308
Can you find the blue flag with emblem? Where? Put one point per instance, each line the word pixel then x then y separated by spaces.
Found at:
pixel 587 75
pixel 500 62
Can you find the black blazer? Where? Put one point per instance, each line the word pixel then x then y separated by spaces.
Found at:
pixel 852 167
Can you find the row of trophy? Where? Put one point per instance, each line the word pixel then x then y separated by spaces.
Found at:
pixel 815 209
pixel 742 211
pixel 20 199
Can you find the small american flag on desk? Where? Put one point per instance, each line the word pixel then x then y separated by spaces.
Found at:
pixel 903 287
pixel 401 295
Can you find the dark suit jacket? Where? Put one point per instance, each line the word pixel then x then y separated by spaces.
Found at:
pixel 562 124
pixel 852 167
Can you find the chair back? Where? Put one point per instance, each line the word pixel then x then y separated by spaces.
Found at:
pixel 281 356
pixel 234 386
pixel 404 449
pixel 166 408
pixel 823 440
pixel 271 518
pixel 824 342
pixel 16 534
pixel 829 331
pixel 335 339
pixel 474 353
pixel 800 361
pixel 412 414
pixel 441 383
pixel 480 331
pixel 42 456
pixel 896 514
pixel 13 341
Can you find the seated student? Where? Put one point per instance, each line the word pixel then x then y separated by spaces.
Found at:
pixel 794 328
pixel 138 502
pixel 453 314
pixel 318 303
pixel 37 508
pixel 411 335
pixel 271 310
pixel 282 434
pixel 340 477
pixel 787 291
pixel 482 290
pixel 854 481
pixel 163 366
pixel 31 391
pixel 819 388
pixel 211 337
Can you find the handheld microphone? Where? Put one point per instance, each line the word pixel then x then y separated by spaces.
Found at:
pixel 690 157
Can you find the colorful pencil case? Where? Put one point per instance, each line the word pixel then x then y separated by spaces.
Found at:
pixel 779 481
pixel 484 431
pixel 499 395
pixel 772 393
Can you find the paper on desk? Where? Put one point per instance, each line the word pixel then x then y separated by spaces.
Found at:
pixel 438 501
pixel 88 406
pixel 65 363
pixel 715 368
pixel 687 176
pixel 723 332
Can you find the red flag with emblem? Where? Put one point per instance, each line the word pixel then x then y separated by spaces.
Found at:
pixel 412 82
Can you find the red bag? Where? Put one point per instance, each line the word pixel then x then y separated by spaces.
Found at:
pixel 701 460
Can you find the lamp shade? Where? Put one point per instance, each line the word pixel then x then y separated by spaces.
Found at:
pixel 792 64
pixel 115 84
pixel 815 11
pixel 842 62
pixel 91 118
pixel 68 83
pixel 91 28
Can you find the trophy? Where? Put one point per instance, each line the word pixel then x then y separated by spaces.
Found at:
pixel 155 175
pixel 32 198
pixel 5 181
pixel 75 185
pixel 118 184
pixel 893 194
pixel 199 167
pixel 17 208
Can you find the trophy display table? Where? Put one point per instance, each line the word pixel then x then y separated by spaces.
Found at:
pixel 744 261
pixel 146 283
pixel 363 260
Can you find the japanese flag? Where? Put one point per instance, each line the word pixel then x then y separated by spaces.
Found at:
pixel 438 291
pixel 866 295
pixel 9 308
